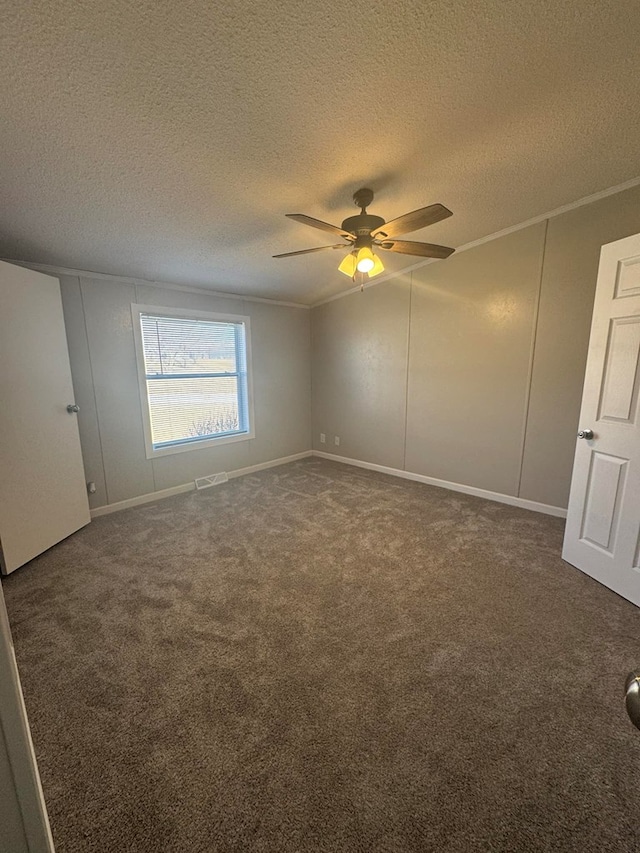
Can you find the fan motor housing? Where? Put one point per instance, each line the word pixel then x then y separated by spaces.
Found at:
pixel 363 224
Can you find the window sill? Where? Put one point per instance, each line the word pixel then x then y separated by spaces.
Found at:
pixel 201 444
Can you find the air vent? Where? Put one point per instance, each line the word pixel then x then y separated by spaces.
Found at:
pixel 211 480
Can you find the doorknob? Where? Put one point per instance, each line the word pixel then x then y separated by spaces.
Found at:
pixel 632 698
pixel 73 409
pixel 586 433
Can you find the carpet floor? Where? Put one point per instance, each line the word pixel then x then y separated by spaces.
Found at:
pixel 321 658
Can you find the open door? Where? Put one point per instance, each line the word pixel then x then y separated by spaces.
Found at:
pixel 43 495
pixel 602 535
pixel 24 823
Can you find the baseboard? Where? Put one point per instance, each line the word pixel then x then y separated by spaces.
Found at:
pixel 273 463
pixel 150 497
pixel 358 463
pixel 445 484
pixel 142 499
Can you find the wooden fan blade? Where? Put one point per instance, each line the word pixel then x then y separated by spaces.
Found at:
pixel 423 250
pixel 306 251
pixel 323 226
pixel 413 221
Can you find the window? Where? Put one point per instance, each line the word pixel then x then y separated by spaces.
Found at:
pixel 194 380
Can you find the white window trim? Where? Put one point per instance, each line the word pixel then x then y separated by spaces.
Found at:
pixel 189 314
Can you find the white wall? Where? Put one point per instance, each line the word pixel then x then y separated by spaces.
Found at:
pixel 101 347
pixel 470 370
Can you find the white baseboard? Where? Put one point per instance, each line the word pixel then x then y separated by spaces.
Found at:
pixel 142 499
pixel 150 497
pixel 273 463
pixel 358 463
pixel 445 484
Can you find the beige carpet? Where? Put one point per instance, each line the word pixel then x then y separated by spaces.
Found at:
pixel 320 658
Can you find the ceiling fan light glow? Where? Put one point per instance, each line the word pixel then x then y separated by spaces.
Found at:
pixel 348 265
pixel 365 261
pixel 364 232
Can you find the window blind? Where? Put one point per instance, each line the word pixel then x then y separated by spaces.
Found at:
pixel 196 378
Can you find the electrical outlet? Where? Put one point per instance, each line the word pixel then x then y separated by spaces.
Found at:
pixel 323 438
pixel 336 440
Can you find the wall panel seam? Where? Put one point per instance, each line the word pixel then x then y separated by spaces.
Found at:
pixel 406 384
pixel 312 425
pixel 93 388
pixel 534 336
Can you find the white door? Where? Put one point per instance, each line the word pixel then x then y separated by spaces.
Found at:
pixel 602 536
pixel 24 825
pixel 43 495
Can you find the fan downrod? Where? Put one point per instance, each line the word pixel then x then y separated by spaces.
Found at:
pixel 363 198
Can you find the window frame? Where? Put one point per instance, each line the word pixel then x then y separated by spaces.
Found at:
pixel 188 314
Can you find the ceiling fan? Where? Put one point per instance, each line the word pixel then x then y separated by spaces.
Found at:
pixel 364 233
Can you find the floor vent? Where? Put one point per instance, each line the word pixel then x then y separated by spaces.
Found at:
pixel 211 480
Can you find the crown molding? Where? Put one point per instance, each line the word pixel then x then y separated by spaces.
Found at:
pixel 588 199
pixel 165 285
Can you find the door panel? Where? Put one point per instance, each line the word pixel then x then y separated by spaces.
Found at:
pixel 603 521
pixel 602 504
pixel 43 495
pixel 628 278
pixel 621 374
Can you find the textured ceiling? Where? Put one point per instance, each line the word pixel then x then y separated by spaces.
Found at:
pixel 166 140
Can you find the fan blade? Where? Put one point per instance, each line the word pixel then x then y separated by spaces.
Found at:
pixel 306 251
pixel 323 226
pixel 423 250
pixel 413 221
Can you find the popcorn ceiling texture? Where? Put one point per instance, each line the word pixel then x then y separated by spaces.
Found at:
pixel 166 140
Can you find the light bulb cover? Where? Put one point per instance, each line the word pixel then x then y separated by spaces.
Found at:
pixel 378 266
pixel 348 265
pixel 364 260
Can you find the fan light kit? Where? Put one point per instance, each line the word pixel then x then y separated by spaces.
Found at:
pixel 366 232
